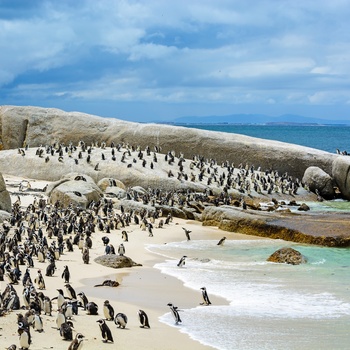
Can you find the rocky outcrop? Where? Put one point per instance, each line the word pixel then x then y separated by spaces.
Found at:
pixel 319 181
pixel 5 199
pixel 34 126
pixel 287 256
pixel 115 261
pixel 322 229
pixel 341 175
pixel 79 191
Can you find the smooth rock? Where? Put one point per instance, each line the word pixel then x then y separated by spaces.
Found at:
pixel 34 126
pixel 341 175
pixel 318 180
pixel 115 261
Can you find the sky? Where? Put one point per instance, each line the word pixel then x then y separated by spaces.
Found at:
pixel 158 60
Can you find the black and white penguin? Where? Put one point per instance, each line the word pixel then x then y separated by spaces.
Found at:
pixel 47 306
pixel 60 298
pixel 92 308
pixel 182 262
pixel 24 337
pixel 222 241
pixel 39 280
pixel 121 249
pixel 108 311
pixel 187 233
pixel 66 330
pixel 206 300
pixel 175 313
pixel 50 269
pixel 38 323
pixel 105 240
pixel 66 274
pixel 143 319
pixel 70 291
pixel 60 318
pixel 67 309
pixel 77 343
pixel 125 236
pixel 84 299
pixel 86 255
pixel 120 320
pixel 26 280
pixel 105 331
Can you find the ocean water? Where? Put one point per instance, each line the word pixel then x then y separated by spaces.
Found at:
pixel 271 306
pixel 326 138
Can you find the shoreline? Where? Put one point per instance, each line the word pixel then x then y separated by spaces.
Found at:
pixel 143 287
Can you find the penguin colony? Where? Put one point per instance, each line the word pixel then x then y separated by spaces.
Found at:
pixel 37 236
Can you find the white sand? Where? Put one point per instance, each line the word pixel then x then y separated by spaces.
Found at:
pixel 140 288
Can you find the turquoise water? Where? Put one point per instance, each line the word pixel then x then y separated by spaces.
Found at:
pixel 271 306
pixel 326 138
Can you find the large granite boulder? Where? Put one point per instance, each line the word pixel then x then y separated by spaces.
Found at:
pixel 5 199
pixel 341 175
pixel 34 126
pixel 287 256
pixel 78 193
pixel 319 181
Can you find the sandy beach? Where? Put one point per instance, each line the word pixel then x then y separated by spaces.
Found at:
pixel 142 287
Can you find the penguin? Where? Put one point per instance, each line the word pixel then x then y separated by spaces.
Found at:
pixel 92 308
pixel 84 299
pixel 24 337
pixel 66 274
pixel 182 262
pixel 86 255
pixel 222 241
pixel 105 331
pixel 105 240
pixel 125 236
pixel 13 301
pixel 108 311
pixel 120 320
pixel 175 313
pixel 70 291
pixel 60 298
pixel 47 306
pixel 143 319
pixel 67 309
pixel 187 233
pixel 38 323
pixel 12 347
pixel 77 343
pixel 121 249
pixel 50 269
pixel 206 300
pixel 66 330
pixel 60 318
pixel 26 280
pixel 39 280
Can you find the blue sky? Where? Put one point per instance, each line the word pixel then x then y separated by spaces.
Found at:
pixel 161 59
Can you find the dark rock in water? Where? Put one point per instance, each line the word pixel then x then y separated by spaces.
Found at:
pixel 287 256
pixel 304 207
pixel 116 261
